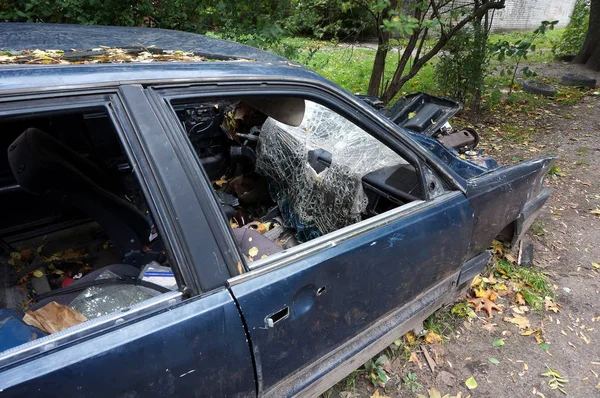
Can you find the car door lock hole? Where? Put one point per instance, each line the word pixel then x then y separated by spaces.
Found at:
pixel 278 316
pixel 321 290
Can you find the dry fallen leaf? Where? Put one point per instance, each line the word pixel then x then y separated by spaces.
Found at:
pixel 432 337
pixel 520 299
pixel 520 321
pixel 377 395
pixel 414 358
pixel 480 303
pixel 550 304
pixel 411 338
pixel 486 293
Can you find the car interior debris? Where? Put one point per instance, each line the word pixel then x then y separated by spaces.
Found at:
pixel 287 170
pixel 78 240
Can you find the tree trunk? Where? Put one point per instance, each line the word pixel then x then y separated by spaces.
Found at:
pixel 383 45
pixel 590 52
pixel 383 42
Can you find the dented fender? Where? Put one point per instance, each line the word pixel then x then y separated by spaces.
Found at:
pixel 505 196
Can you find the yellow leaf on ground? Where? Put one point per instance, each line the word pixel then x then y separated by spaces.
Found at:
pixel 377 395
pixel 432 337
pixel 221 181
pixel 519 298
pixel 414 358
pixel 476 281
pixel 520 321
pixel 37 273
pixel 486 293
pixel 411 338
pixel 550 304
pixel 434 393
pixel 471 383
pixel 595 265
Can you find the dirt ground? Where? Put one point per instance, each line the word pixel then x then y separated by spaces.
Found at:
pixel 566 242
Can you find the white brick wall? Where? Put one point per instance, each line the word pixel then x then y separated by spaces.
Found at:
pixel 527 14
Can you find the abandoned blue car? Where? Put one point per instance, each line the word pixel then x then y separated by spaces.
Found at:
pixel 185 216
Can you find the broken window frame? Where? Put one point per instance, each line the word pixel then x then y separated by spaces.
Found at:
pixel 74 102
pixel 337 104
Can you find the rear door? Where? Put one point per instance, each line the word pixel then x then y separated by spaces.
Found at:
pixel 182 343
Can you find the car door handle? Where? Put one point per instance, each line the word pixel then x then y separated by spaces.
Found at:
pixel 278 317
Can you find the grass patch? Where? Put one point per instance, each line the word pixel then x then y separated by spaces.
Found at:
pixel 537 228
pixel 441 322
pixel 532 283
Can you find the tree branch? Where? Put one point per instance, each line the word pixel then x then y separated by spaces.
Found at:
pixel 396 84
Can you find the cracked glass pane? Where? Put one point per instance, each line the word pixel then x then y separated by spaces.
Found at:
pixel 317 168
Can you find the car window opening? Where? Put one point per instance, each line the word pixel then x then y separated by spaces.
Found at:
pixel 78 241
pixel 286 170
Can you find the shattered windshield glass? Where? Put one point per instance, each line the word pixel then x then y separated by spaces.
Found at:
pixel 317 169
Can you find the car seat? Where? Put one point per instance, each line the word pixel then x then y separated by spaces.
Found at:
pixel 44 166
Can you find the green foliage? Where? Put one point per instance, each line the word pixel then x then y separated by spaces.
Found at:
pixel 573 36
pixel 461 69
pixel 110 12
pixel 463 310
pixel 252 22
pixel 510 54
pixel 377 370
pixel 534 282
pixel 411 383
pixel 328 19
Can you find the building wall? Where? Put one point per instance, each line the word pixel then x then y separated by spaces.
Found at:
pixel 527 14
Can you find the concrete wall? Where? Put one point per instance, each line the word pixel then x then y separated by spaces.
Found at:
pixel 527 14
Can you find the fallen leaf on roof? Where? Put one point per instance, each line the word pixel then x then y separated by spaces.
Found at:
pixel 37 273
pixel 253 251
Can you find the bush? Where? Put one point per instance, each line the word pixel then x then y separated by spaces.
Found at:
pixel 573 37
pixel 461 69
pixel 328 19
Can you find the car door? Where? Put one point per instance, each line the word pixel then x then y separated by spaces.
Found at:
pixel 310 313
pixel 190 343
pixel 324 308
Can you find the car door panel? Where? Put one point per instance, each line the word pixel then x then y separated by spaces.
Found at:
pixel 298 313
pixel 197 348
